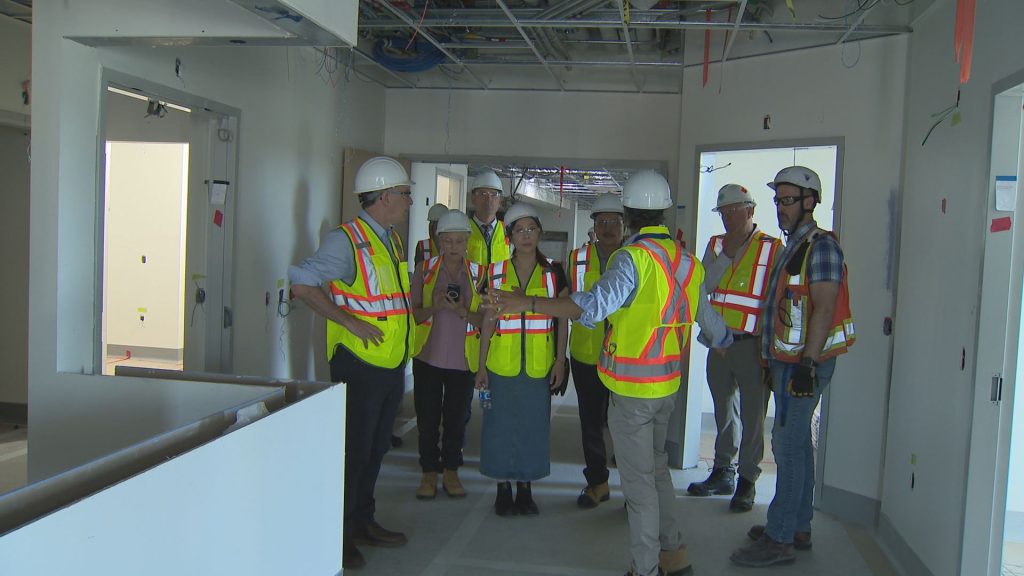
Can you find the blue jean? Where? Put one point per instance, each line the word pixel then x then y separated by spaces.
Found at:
pixel 791 510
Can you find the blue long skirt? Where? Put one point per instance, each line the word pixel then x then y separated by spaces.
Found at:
pixel 515 441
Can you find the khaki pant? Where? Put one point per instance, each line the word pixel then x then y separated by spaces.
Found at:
pixel 639 427
pixel 739 371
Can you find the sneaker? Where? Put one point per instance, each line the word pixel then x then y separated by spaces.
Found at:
pixel 503 503
pixel 524 500
pixel 452 486
pixel 721 481
pixel 763 552
pixel 428 486
pixel 801 540
pixel 675 562
pixel 743 500
pixel 593 495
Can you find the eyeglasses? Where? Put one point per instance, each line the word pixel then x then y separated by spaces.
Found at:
pixel 405 193
pixel 608 222
pixel 787 200
pixel 525 231
pixel 485 193
pixel 733 209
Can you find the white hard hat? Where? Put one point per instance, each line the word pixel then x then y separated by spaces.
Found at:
pixel 647 190
pixel 380 173
pixel 518 211
pixel 436 211
pixel 799 176
pixel 606 203
pixel 733 194
pixel 486 179
pixel 453 221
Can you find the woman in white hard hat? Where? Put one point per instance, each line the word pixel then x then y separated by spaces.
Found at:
pixel 522 362
pixel 445 349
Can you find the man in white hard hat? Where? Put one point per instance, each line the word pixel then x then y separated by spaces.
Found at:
pixel 806 323
pixel 369 335
pixel 487 241
pixel 651 293
pixel 427 248
pixel 586 265
pixel 736 266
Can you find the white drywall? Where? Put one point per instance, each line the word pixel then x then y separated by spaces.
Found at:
pixel 863 105
pixel 14 189
pixel 265 499
pixel 292 127
pixel 15 64
pixel 939 273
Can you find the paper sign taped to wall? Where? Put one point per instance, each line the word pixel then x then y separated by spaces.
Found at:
pixel 218 192
pixel 1001 224
pixel 218 217
pixel 1006 193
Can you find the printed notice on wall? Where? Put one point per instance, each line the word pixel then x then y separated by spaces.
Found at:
pixel 218 192
pixel 1006 193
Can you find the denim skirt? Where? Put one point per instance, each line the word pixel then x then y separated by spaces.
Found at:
pixel 515 441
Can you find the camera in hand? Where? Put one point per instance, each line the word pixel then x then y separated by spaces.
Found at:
pixel 453 291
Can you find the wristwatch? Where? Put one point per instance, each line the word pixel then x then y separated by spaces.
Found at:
pixel 808 361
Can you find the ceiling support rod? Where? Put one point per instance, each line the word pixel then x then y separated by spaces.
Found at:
pixel 735 31
pixel 629 44
pixel 421 30
pixel 529 43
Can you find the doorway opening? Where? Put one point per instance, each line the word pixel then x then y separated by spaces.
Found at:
pixel 752 167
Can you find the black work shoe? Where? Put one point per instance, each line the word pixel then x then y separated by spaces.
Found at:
pixel 352 558
pixel 743 501
pixel 503 504
pixel 764 552
pixel 721 481
pixel 524 500
pixel 801 540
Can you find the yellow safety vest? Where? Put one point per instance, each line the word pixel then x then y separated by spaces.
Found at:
pixel 642 353
pixel 794 309
pixel 527 332
pixel 472 345
pixel 478 251
pixel 379 294
pixel 425 250
pixel 741 292
pixel 585 269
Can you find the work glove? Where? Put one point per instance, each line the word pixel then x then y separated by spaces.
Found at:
pixel 803 382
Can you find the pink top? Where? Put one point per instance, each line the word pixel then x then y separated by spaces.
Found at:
pixel 446 346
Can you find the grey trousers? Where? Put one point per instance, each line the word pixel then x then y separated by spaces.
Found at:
pixel 739 371
pixel 639 427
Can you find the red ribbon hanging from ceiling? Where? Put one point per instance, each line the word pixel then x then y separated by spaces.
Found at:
pixel 707 46
pixel 963 37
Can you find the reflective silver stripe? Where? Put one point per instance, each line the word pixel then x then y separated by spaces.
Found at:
pixel 658 370
pixel 673 311
pixel 746 301
pixel 717 245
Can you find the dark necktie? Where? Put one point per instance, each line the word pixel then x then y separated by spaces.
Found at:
pixel 487 233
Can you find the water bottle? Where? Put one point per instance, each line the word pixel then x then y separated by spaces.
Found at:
pixel 485 398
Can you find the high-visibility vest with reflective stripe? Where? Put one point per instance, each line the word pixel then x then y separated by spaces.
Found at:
pixel 477 249
pixel 642 353
pixel 584 270
pixel 379 295
pixel 526 332
pixel 472 346
pixel 794 309
pixel 425 250
pixel 742 290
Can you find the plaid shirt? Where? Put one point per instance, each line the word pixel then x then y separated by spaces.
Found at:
pixel 824 264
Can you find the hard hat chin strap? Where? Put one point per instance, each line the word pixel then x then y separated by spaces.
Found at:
pixel 803 211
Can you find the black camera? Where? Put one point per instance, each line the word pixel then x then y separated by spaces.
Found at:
pixel 453 292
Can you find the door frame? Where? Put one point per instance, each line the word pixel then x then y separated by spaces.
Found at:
pixel 999 325
pixel 219 246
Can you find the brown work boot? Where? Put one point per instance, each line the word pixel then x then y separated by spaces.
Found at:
pixel 675 562
pixel 428 486
pixel 801 540
pixel 593 495
pixel 374 534
pixel 452 486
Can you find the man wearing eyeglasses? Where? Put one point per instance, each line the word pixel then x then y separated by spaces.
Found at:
pixel 736 266
pixel 487 242
pixel 369 335
pixel 806 323
pixel 586 265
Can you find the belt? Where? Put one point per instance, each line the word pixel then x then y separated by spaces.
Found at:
pixel 743 336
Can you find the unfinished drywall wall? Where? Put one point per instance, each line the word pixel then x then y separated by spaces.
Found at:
pixel 863 105
pixel 14 189
pixel 942 241
pixel 292 124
